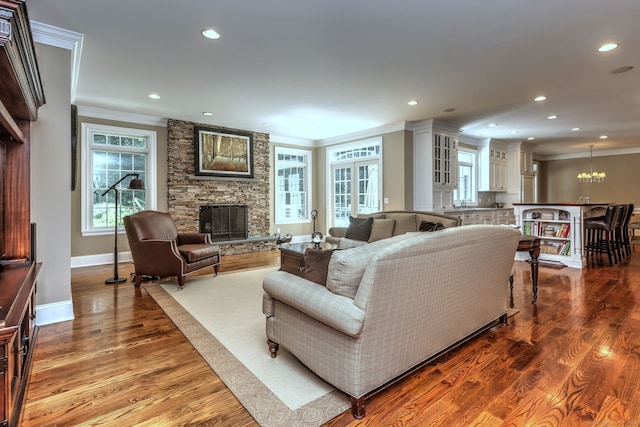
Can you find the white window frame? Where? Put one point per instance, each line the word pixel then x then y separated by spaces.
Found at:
pixel 308 154
pixel 474 199
pixel 87 132
pixel 352 162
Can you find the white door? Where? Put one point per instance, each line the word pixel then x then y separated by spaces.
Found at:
pixel 355 190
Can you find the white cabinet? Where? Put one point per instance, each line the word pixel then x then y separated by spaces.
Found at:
pixel 559 228
pixel 445 160
pixel 435 165
pixel 493 166
pixel 526 163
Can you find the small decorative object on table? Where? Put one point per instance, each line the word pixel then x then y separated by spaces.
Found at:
pixel 316 238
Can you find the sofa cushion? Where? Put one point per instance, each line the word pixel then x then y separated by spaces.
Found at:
pixel 381 229
pixel 347 267
pixel 359 228
pixel 430 226
pixel 405 222
pixel 316 264
pixel 193 253
pixel 344 243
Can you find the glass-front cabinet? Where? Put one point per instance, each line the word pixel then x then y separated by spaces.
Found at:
pixel 435 165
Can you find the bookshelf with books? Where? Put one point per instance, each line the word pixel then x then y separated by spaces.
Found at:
pixel 559 228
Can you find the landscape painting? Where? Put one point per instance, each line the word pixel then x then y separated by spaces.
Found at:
pixel 222 153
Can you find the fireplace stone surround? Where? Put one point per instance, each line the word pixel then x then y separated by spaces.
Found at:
pixel 187 192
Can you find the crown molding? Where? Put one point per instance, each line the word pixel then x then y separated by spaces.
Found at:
pixel 64 39
pixel 121 116
pixel 367 133
pixel 279 139
pixel 620 152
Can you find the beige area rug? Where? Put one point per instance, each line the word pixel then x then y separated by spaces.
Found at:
pixel 222 318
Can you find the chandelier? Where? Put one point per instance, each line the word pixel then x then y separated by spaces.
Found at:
pixel 591 176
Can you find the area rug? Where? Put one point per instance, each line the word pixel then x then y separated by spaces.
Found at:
pixel 222 318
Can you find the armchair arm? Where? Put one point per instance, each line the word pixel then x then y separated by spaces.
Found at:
pixel 193 238
pixel 316 301
pixel 338 231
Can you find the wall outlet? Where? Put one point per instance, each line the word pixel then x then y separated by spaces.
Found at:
pixel 386 200
pixel 278 230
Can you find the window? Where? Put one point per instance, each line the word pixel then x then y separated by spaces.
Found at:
pixel 467 180
pixel 356 181
pixel 109 153
pixel 293 181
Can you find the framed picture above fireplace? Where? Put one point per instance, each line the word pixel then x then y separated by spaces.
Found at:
pixel 223 153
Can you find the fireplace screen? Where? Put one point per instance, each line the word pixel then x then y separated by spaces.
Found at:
pixel 224 222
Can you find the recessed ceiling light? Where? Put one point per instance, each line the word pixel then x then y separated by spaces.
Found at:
pixel 604 137
pixel 622 69
pixel 154 96
pixel 412 102
pixel 575 129
pixel 492 125
pixel 530 138
pixel 607 47
pixel 540 98
pixel 266 124
pixel 552 117
pixel 210 33
pixel 449 110
pixel 207 113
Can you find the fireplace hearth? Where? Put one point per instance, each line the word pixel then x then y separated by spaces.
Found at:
pixel 224 222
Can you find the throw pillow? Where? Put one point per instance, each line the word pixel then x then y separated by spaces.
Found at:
pixel 430 226
pixel 381 229
pixel 316 265
pixel 405 222
pixel 359 228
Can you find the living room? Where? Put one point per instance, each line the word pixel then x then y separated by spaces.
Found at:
pixel 57 211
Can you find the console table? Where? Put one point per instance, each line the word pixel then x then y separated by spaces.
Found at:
pixel 530 244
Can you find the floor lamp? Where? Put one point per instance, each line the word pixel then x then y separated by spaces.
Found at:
pixel 135 184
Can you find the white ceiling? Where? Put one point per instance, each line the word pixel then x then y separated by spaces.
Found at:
pixel 320 69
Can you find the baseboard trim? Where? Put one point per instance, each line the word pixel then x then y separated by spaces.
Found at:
pixel 99 259
pixel 56 312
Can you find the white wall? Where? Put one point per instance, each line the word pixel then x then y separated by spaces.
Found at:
pixel 51 188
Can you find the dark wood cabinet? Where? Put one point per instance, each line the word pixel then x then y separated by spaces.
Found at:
pixel 17 333
pixel 21 94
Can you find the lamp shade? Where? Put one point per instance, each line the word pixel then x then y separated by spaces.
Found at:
pixel 136 184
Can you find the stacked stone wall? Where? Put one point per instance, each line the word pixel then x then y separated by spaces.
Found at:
pixel 187 192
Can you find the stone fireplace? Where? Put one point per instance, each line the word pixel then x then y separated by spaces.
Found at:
pixel 188 192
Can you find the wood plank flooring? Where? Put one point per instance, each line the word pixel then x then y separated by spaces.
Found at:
pixel 571 359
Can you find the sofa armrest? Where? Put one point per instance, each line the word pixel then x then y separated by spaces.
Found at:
pixel 338 231
pixel 316 301
pixel 193 238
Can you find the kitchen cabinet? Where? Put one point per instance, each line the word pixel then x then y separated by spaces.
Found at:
pixel 493 166
pixel 472 216
pixel 526 163
pixel 435 165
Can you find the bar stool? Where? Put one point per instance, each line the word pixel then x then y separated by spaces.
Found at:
pixel 626 241
pixel 599 233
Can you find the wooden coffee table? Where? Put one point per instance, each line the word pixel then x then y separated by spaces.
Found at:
pixel 292 256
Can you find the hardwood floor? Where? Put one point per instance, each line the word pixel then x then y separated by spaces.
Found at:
pixel 571 359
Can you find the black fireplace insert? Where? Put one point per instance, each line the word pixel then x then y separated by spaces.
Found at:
pixel 224 222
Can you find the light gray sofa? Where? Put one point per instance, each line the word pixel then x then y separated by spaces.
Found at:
pixel 404 221
pixel 391 305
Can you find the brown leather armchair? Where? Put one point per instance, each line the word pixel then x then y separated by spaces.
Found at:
pixel 159 250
